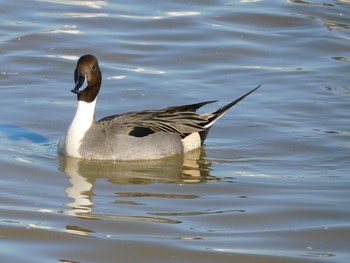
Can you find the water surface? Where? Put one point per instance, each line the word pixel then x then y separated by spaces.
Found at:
pixel 271 183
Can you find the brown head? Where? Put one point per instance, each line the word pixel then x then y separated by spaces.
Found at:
pixel 87 70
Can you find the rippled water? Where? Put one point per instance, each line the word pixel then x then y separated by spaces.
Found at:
pixel 270 185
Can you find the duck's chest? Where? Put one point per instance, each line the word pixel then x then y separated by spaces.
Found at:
pixel 75 136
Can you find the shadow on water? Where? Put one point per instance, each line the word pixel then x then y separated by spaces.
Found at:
pixel 83 174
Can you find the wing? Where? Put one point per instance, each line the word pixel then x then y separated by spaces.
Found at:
pixel 143 123
pixel 182 120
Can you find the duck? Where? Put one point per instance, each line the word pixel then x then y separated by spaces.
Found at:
pixel 138 135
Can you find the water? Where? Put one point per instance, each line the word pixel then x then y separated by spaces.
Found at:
pixel 270 185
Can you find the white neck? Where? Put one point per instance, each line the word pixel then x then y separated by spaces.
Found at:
pixel 82 121
pixel 84 116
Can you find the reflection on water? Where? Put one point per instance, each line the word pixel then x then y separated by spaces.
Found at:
pixel 310 3
pixel 83 174
pixel 91 4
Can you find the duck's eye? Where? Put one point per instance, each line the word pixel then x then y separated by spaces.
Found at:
pixel 93 67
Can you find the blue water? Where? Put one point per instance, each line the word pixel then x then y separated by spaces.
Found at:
pixel 272 182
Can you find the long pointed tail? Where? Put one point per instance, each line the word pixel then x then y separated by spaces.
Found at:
pixel 214 116
pixel 220 112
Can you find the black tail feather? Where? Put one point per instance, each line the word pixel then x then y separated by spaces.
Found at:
pixel 217 114
pixel 226 107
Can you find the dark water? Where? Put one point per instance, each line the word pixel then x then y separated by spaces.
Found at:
pixel 272 182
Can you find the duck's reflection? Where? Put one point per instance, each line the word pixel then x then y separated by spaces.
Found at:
pixel 189 168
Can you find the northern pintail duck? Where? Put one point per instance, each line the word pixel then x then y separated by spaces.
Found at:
pixel 149 134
